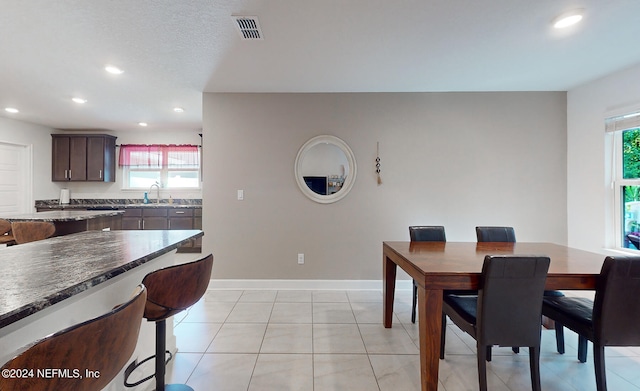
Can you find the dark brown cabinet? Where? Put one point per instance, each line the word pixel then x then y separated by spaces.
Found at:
pixel 132 219
pixel 83 158
pixel 181 219
pixel 152 217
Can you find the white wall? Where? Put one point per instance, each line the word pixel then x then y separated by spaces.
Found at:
pixel 590 217
pixel 39 137
pixel 456 159
pixel 36 136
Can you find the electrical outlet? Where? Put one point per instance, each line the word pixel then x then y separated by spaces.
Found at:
pixel 300 259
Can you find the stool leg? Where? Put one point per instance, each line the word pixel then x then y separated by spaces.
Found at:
pixel 161 331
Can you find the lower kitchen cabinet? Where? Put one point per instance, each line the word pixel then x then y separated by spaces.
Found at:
pixel 148 218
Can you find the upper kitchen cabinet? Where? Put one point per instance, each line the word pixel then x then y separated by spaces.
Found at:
pixel 83 157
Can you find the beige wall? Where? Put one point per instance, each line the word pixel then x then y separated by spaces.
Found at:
pixel 456 159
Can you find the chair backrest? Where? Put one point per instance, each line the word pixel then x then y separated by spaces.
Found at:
pixel 103 345
pixel 427 233
pixel 510 300
pixel 616 310
pixel 496 234
pixel 5 226
pixel 175 288
pixel 31 231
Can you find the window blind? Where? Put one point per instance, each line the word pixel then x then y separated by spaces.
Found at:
pixel 159 155
pixel 622 122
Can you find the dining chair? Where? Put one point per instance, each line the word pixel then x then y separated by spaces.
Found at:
pixel 496 234
pixel 31 231
pixel 5 233
pixel 508 235
pixel 94 352
pixel 611 319
pixel 424 233
pixel 505 312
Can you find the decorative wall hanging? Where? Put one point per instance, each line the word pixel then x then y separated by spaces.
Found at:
pixel 378 163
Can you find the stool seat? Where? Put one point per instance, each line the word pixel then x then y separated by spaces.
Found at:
pixel 170 291
pixel 31 231
pixel 102 345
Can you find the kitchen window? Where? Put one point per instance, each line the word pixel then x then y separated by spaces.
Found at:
pixel 626 175
pixel 171 166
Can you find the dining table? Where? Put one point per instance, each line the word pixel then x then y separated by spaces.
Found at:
pixel 439 266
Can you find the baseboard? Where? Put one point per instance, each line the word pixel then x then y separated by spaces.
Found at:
pixel 305 284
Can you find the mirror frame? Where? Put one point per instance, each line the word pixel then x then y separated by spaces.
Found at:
pixel 349 180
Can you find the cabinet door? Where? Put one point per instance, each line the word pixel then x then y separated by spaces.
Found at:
pixel 154 223
pixel 132 219
pixel 180 223
pixel 101 158
pixel 95 158
pixel 154 218
pixel 77 158
pixel 60 158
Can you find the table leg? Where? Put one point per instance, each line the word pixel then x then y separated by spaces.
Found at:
pixel 389 289
pixel 429 326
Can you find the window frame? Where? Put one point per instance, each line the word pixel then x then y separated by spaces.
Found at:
pixel 618 182
pixel 164 170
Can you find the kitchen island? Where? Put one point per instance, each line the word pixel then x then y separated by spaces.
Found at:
pixel 72 221
pixel 48 285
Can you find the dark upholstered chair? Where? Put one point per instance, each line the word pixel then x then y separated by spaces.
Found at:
pixel 496 234
pixel 103 345
pixel 31 231
pixel 612 319
pixel 424 233
pixel 171 290
pixel 506 311
pixel 508 235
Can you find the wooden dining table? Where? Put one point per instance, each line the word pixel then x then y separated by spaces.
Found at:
pixel 436 266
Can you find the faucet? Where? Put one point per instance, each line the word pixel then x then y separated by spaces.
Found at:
pixel 157 186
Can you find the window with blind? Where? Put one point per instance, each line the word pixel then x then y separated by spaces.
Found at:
pixel 171 166
pixel 626 176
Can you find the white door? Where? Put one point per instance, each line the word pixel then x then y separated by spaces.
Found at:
pixel 15 179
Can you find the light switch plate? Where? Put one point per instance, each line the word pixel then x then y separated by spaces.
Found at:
pixel 240 195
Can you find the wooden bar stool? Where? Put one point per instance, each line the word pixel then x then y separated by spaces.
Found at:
pixel 31 231
pixel 170 291
pixel 93 352
pixel 5 233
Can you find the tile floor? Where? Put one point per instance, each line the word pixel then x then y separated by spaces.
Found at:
pixel 334 340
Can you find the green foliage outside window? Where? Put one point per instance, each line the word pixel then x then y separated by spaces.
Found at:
pixel 631 153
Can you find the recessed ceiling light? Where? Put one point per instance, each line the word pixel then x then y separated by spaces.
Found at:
pixel 113 70
pixel 178 109
pixel 11 110
pixel 568 19
pixel 142 123
pixel 79 100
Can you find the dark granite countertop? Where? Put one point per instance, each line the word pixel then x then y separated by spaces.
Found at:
pixel 115 204
pixel 37 275
pixel 64 215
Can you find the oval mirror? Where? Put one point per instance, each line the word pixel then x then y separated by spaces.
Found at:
pixel 325 169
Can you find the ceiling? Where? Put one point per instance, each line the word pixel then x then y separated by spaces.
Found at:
pixel 171 51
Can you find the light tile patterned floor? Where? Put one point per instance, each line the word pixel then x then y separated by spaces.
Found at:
pixel 334 340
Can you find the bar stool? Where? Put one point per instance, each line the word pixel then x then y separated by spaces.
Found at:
pixel 93 352
pixel 31 231
pixel 5 233
pixel 170 291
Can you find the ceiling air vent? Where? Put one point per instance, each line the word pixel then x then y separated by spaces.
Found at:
pixel 249 27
